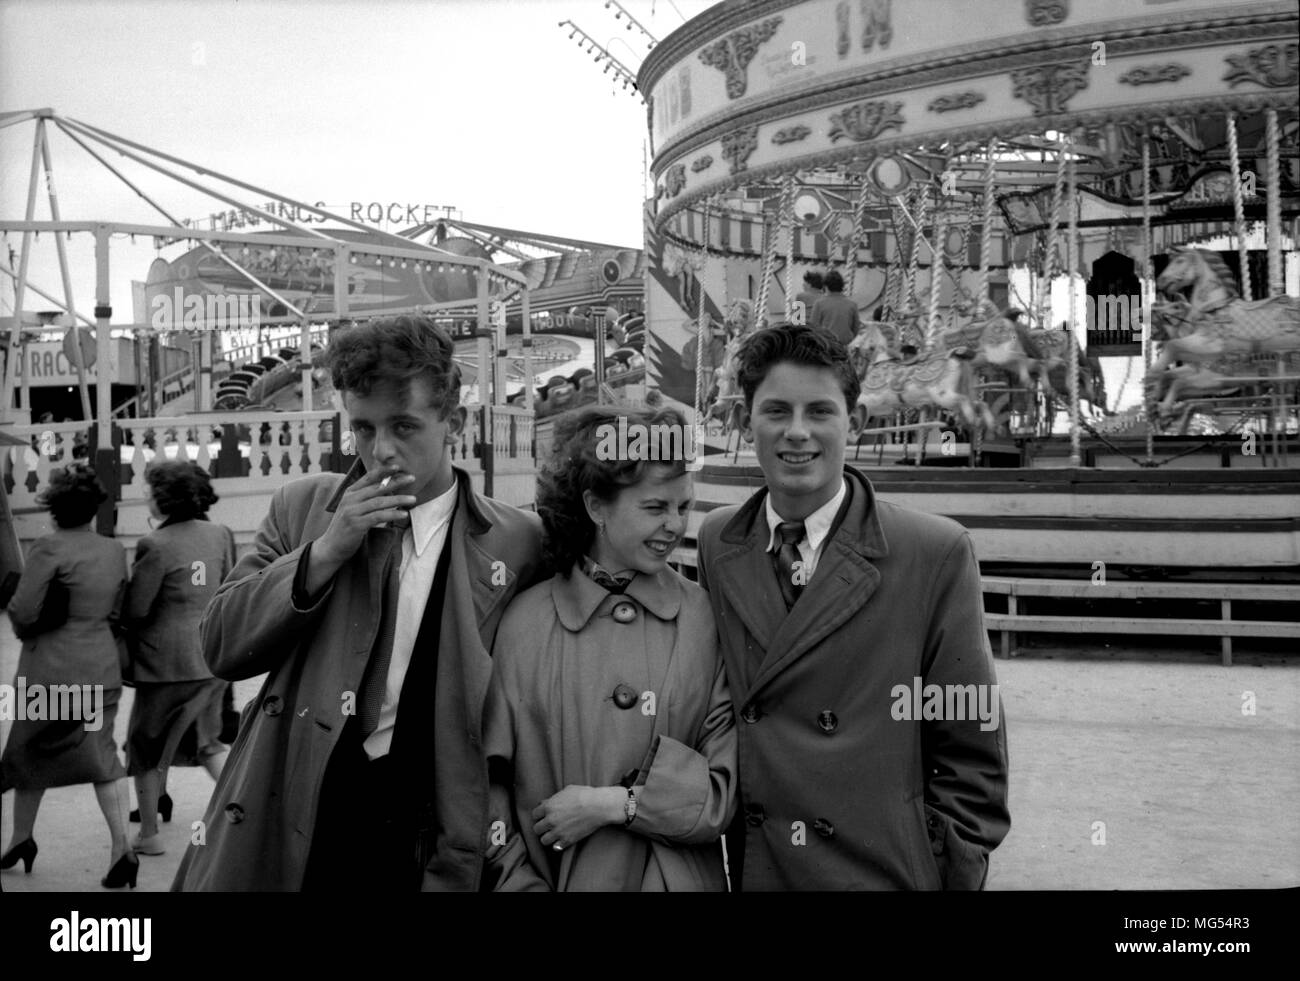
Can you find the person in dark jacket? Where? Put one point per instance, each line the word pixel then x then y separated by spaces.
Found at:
pixel 872 750
pixel 176 574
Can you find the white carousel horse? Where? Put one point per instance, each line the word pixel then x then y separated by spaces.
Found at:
pixel 1208 319
pixel 941 379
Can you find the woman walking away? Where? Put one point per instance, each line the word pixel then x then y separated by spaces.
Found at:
pixel 177 571
pixel 63 611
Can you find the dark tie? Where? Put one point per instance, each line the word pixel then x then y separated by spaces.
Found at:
pixel 375 680
pixel 789 533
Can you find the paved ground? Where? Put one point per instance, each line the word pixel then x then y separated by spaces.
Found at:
pixel 1153 751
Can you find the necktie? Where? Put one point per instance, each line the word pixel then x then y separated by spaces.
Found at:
pixel 375 680
pixel 789 533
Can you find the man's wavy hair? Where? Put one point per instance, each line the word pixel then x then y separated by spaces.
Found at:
pixel 73 495
pixel 181 489
pixel 797 344
pixel 395 351
pixel 574 467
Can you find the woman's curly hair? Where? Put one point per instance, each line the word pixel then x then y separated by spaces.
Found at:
pixel 181 489
pixel 73 495
pixel 575 466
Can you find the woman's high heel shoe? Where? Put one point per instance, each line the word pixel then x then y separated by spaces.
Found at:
pixel 123 873
pixel 164 811
pixel 26 850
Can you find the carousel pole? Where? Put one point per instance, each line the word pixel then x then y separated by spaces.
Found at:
pixel 784 203
pixel 922 202
pixel 855 239
pixel 789 251
pixel 1238 210
pixel 702 339
pixel 982 297
pixel 1276 287
pixel 1072 261
pixel 1148 297
pixel 936 280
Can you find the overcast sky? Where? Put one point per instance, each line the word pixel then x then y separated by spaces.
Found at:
pixel 485 105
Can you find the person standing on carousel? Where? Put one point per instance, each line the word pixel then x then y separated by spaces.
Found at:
pixel 836 312
pixel 828 601
pixel 177 571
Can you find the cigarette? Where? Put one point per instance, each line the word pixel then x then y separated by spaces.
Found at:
pixel 384 482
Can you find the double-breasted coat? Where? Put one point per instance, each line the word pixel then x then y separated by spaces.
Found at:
pixel 842 786
pixel 260 820
pixel 598 689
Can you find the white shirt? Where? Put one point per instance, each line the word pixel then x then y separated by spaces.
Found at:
pixel 422 545
pixel 816 529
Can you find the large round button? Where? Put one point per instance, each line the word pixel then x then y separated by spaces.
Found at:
pixel 273 705
pixel 750 713
pixel 754 815
pixel 234 813
pixel 828 722
pixel 824 828
pixel 624 612
pixel 625 696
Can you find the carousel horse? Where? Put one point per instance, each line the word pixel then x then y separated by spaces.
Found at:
pixel 941 379
pixel 1215 320
pixel 1000 341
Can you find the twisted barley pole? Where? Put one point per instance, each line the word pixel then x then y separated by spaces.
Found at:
pixel 702 320
pixel 1072 369
pixel 1238 210
pixel 1276 287
pixel 789 248
pixel 1148 290
pixel 855 240
pixel 922 205
pixel 982 298
pixel 936 280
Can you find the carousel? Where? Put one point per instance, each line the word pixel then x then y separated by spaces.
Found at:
pixel 1071 240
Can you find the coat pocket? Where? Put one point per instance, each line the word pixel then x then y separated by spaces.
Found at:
pixel 961 865
pixel 926 869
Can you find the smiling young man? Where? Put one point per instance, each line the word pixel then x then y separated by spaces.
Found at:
pixel 371 600
pixel 827 600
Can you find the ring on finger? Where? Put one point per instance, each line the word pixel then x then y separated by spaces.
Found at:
pixel 558 847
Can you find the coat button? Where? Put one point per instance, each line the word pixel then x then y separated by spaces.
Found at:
pixel 273 705
pixel 824 828
pixel 234 813
pixel 828 722
pixel 624 612
pixel 625 696
pixel 754 815
pixel 751 713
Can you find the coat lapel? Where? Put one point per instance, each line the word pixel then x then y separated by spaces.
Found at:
pixel 745 574
pixel 844 581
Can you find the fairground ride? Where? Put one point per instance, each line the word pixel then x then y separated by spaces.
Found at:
pixel 1014 200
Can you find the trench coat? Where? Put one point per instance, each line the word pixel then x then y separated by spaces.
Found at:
pixel 841 785
pixel 262 814
pixel 598 689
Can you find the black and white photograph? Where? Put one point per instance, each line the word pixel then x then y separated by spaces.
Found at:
pixel 593 446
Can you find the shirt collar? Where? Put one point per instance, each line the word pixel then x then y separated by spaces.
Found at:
pixel 816 526
pixel 428 517
pixel 577 598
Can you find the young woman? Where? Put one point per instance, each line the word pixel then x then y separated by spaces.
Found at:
pixel 610 733
pixel 68 598
pixel 177 571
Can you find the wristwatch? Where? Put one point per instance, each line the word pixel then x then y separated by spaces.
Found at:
pixel 629 808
